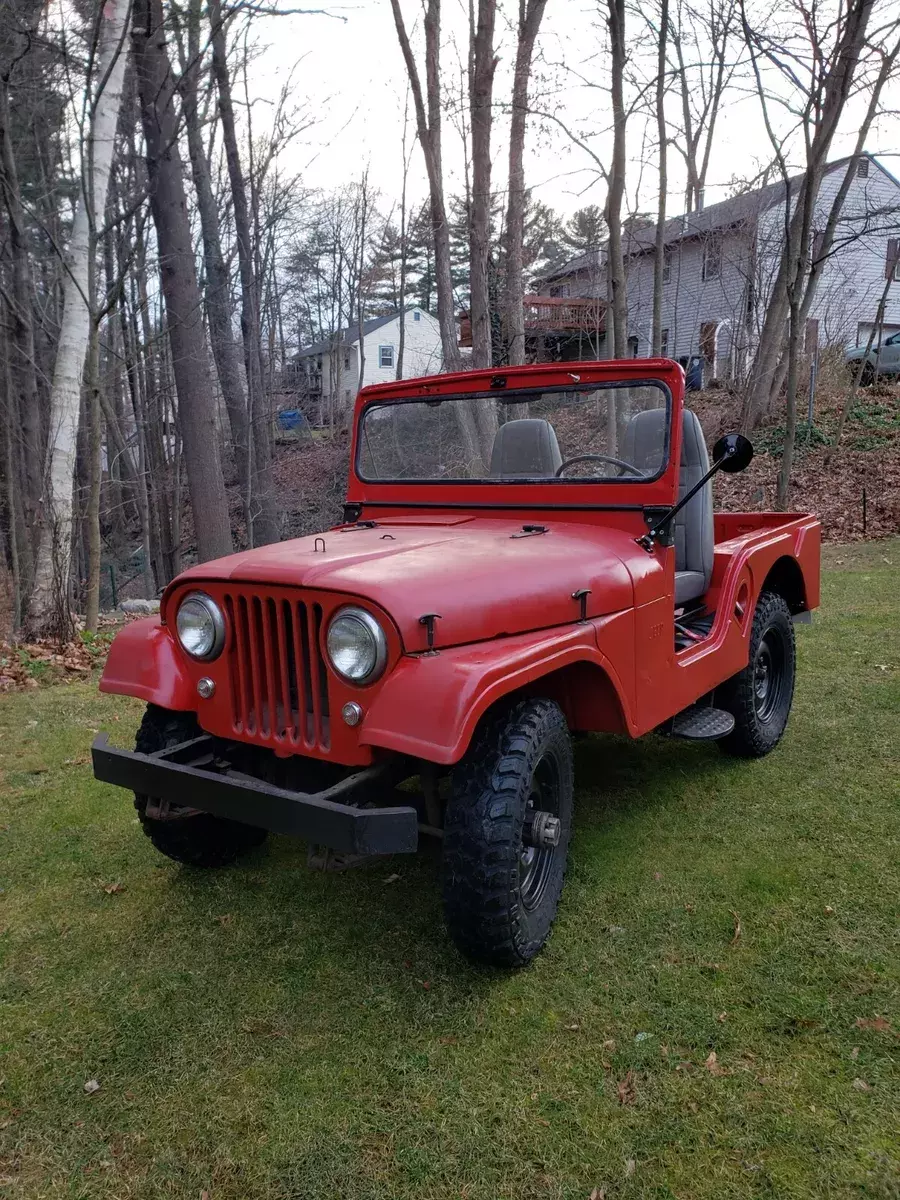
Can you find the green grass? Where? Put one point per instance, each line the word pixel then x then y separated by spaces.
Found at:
pixel 264 1032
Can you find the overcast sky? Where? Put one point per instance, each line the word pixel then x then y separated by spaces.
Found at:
pixel 350 74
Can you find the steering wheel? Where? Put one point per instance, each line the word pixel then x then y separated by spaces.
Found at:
pixel 617 462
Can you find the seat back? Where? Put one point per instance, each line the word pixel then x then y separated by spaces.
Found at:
pixel 693 531
pixel 526 448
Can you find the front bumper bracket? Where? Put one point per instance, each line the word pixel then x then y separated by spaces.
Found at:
pixel 329 818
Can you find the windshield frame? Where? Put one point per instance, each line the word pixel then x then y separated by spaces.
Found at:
pixel 518 396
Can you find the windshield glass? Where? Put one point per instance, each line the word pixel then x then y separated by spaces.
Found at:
pixel 603 434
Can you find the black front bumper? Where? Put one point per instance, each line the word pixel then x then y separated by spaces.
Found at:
pixel 328 818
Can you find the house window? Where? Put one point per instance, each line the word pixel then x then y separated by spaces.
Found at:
pixel 712 258
pixel 385 356
pixel 417 316
pixel 346 362
pixel 862 169
pixel 667 266
pixel 633 344
pixel 559 291
pixel 892 265
pixel 664 343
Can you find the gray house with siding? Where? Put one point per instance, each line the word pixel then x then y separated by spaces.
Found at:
pixel 720 265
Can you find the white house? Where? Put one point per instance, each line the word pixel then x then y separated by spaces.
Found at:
pixel 332 366
pixel 720 265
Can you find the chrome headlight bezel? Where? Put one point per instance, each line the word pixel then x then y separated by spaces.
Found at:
pixel 372 629
pixel 216 616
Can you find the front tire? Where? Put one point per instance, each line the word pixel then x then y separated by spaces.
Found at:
pixel 201 840
pixel 760 696
pixel 501 891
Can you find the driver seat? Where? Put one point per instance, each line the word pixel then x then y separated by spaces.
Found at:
pixel 526 448
pixel 693 527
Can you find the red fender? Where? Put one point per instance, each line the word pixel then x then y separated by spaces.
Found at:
pixel 144 662
pixel 430 704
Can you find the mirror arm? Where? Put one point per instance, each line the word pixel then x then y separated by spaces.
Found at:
pixel 658 528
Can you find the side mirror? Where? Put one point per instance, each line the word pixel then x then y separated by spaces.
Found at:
pixel 733 453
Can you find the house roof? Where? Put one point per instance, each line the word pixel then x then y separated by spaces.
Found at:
pixel 348 336
pixel 738 210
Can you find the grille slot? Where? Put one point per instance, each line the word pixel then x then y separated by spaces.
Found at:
pixel 277 678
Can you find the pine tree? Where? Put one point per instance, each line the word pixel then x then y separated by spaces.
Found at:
pixel 585 230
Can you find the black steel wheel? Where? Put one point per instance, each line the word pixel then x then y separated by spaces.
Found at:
pixel 759 697
pixel 506 833
pixel 199 840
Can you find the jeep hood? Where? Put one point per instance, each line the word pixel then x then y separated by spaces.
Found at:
pixel 485 577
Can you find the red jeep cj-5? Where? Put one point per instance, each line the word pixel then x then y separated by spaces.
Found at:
pixel 525 554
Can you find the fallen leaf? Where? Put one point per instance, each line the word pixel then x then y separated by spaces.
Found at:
pixel 204 1195
pixel 225 919
pixel 737 929
pixel 712 1065
pixel 425 984
pixel 861 1085
pixel 113 889
pixel 598 1194
pixel 854 1053
pixel 615 929
pixel 574 1028
pixel 626 1089
pixel 629 1168
pixel 609 1044
pixel 449 1041
pixel 876 1024
pixel 392 878
pixel 642 1037
pixel 541 1121
pixel 92 1086
pixel 829 911
pixel 722 1018
pixel 657 875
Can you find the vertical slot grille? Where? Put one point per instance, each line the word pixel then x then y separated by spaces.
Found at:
pixel 277 679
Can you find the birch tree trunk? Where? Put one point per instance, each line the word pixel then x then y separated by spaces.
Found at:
pixel 178 272
pixel 531 13
pixel 48 610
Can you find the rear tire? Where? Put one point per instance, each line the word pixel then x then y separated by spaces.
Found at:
pixel 759 697
pixel 197 841
pixel 501 895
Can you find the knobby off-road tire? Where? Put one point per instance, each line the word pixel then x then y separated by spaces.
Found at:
pixel 199 841
pixel 759 697
pixel 500 897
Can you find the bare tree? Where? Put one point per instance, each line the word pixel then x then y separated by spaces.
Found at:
pixel 531 13
pixel 482 65
pixel 178 272
pixel 615 256
pixel 819 68
pixel 663 138
pixel 428 127
pixel 264 519
pixel 701 40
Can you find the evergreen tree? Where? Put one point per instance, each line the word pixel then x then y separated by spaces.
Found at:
pixel 585 230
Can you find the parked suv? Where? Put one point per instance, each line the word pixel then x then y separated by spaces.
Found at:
pixel 879 359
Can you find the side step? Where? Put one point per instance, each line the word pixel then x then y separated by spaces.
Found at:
pixel 700 723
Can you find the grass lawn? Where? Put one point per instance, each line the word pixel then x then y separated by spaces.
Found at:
pixel 715 1016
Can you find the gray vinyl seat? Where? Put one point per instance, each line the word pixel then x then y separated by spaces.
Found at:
pixel 526 448
pixel 693 532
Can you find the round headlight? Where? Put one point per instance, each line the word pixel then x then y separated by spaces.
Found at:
pixel 356 645
pixel 200 626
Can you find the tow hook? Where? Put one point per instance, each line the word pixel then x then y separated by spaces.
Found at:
pixel 541 829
